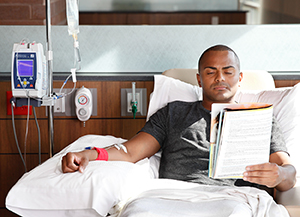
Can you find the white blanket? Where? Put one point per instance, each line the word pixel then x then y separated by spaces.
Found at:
pixel 173 198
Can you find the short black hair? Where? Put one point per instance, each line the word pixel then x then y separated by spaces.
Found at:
pixel 218 47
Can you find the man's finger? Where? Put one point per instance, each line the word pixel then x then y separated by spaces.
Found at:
pixel 259 173
pixel 68 163
pixel 64 167
pixel 84 162
pixel 264 166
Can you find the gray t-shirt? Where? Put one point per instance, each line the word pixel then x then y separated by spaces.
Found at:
pixel 183 130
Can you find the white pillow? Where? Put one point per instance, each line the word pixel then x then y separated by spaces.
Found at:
pixel 46 191
pixel 168 89
pixel 286 103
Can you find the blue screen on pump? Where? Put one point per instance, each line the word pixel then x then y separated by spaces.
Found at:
pixel 25 68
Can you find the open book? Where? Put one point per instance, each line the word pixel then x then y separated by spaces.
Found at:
pixel 240 136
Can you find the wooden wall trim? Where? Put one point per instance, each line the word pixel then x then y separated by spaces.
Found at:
pixel 161 18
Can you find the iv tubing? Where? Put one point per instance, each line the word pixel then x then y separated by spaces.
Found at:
pixel 64 83
pixel 39 134
pixel 133 92
pixel 16 139
pixel 60 94
pixel 77 57
pixel 26 133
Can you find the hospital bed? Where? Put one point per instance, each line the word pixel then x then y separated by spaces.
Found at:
pixel 125 189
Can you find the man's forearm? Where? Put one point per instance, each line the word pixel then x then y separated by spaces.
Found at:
pixel 113 154
pixel 140 146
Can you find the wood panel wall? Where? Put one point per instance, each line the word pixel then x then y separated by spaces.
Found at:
pixel 31 12
pixel 66 128
pixel 160 18
pixel 286 83
pixel 280 11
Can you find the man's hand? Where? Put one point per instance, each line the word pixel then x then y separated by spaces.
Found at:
pixel 269 174
pixel 279 172
pixel 74 161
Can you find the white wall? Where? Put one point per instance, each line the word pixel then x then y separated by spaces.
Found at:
pixel 153 49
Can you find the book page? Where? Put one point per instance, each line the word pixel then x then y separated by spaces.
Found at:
pixel 245 140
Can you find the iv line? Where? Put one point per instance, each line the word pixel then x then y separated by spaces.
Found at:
pixel 26 133
pixel 16 138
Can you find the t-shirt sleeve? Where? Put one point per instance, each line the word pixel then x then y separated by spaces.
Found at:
pixel 277 140
pixel 156 125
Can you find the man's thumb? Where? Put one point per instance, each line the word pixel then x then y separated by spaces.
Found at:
pixel 83 165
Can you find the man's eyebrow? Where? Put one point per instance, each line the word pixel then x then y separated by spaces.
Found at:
pixel 228 67
pixel 210 67
pixel 214 68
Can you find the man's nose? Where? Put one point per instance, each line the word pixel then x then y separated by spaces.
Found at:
pixel 220 76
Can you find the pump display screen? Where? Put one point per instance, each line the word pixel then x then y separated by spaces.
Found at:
pixel 25 68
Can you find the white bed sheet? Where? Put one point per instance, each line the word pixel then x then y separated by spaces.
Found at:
pixel 46 191
pixel 166 197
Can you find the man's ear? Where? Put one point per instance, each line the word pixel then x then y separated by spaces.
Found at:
pixel 198 79
pixel 241 76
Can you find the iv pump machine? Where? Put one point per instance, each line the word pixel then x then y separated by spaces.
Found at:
pixel 28 75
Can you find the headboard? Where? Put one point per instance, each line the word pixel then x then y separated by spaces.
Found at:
pixel 252 80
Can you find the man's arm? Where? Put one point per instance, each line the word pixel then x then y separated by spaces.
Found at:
pixel 139 147
pixel 278 173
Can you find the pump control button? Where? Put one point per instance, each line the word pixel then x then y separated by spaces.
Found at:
pixel 82 111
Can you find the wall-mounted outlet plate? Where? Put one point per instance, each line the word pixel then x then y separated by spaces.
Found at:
pixel 126 98
pixel 60 105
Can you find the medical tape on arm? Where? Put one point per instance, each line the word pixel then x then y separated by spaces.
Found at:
pixel 120 146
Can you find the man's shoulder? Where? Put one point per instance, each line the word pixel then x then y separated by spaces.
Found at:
pixel 179 107
pixel 183 106
pixel 183 103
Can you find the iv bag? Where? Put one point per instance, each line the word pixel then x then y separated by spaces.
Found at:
pixel 72 17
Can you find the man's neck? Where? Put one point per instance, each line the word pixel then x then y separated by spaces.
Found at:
pixel 207 105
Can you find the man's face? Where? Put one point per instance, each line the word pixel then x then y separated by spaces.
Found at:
pixel 219 77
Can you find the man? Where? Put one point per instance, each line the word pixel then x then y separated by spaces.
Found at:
pixel 181 131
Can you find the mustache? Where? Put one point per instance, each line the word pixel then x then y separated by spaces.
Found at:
pixel 220 84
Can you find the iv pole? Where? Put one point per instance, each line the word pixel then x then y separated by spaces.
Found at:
pixel 49 56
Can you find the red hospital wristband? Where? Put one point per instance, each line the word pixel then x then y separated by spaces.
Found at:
pixel 102 154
